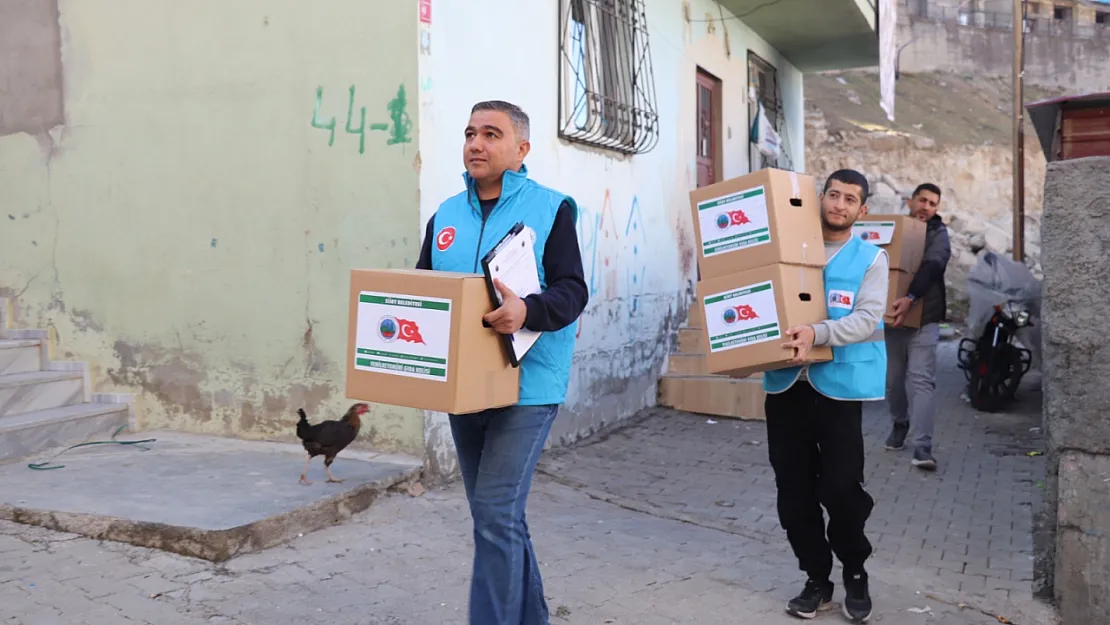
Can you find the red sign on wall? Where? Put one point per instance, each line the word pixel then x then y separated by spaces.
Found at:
pixel 426 11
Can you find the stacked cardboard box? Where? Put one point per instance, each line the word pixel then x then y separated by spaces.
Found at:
pixel 688 385
pixel 760 258
pixel 903 238
pixel 415 339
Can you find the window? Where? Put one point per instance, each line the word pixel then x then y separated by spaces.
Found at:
pixel 1061 13
pixel 763 88
pixel 1102 17
pixel 606 87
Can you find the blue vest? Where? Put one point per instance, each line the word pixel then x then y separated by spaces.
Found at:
pixel 545 369
pixel 857 372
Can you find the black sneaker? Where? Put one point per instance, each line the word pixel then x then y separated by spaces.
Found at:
pixel 815 597
pixel 897 439
pixel 923 459
pixel 857 599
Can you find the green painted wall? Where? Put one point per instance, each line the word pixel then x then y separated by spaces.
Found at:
pixel 189 226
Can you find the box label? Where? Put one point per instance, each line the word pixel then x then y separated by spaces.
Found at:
pixel 735 221
pixel 403 335
pixel 743 316
pixel 874 232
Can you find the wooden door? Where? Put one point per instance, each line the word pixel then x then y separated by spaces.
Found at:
pixel 709 128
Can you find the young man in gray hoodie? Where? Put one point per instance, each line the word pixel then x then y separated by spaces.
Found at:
pixel 912 354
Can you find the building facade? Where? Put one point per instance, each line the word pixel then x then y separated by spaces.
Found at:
pixel 186 190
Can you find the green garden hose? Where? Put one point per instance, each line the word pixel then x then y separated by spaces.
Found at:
pixel 43 466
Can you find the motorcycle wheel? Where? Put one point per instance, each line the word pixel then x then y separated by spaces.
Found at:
pixel 987 387
pixel 993 381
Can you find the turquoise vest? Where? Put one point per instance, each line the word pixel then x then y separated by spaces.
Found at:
pixel 462 239
pixel 857 372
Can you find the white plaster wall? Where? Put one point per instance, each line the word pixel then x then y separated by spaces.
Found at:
pixel 634 227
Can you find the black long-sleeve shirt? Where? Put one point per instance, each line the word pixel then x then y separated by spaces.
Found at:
pixel 566 295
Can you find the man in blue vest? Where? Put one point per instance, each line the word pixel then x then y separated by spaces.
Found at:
pixel 814 412
pixel 498 449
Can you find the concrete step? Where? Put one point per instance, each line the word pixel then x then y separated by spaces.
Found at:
pixel 32 432
pixel 21 393
pixel 686 364
pixel 739 398
pixel 691 341
pixel 696 315
pixel 20 356
pixel 198 496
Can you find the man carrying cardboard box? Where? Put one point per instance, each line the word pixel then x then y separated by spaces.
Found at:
pixel 912 354
pixel 498 448
pixel 815 411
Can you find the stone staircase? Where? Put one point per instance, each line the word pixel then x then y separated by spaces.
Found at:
pixel 46 404
pixel 689 387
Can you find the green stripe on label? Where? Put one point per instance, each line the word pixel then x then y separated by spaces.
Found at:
pixel 729 199
pixel 728 335
pixel 741 235
pixel 404 302
pixel 436 372
pixel 399 356
pixel 734 245
pixel 744 340
pixel 738 293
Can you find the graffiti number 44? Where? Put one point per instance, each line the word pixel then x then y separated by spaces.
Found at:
pixel 399 127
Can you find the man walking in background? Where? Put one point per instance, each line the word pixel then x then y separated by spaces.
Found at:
pixel 815 411
pixel 498 448
pixel 912 354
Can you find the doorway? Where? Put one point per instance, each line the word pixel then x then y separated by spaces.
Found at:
pixel 709 146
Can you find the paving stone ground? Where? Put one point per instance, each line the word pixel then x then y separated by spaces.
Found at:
pixel 689 541
pixel 966 529
pixel 406 562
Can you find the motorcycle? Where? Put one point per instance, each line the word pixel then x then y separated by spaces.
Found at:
pixel 992 362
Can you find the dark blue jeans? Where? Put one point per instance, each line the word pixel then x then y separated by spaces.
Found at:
pixel 498 450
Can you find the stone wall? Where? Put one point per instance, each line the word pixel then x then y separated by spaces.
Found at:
pixel 1051 60
pixel 1073 536
pixel 975 182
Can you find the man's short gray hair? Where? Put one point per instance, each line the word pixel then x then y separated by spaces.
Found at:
pixel 516 115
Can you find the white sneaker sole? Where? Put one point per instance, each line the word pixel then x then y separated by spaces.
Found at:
pixel 824 607
pixel 855 620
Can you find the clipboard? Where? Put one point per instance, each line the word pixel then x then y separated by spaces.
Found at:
pixel 513 261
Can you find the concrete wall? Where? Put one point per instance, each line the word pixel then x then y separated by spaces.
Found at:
pixel 1077 64
pixel 174 211
pixel 1073 537
pixel 634 229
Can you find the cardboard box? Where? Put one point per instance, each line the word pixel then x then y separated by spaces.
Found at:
pixel 747 313
pixel 899 286
pixel 767 217
pixel 415 339
pixel 901 236
pixel 740 398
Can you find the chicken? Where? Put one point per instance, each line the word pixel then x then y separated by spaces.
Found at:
pixel 328 438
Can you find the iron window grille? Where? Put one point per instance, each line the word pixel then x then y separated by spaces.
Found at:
pixel 606 85
pixel 763 82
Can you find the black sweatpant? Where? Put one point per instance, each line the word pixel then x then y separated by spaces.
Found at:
pixel 816 449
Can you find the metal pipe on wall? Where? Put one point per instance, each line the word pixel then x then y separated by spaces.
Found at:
pixel 1019 130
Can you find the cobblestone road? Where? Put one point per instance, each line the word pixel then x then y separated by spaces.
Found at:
pixel 965 530
pixel 669 525
pixel 406 562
